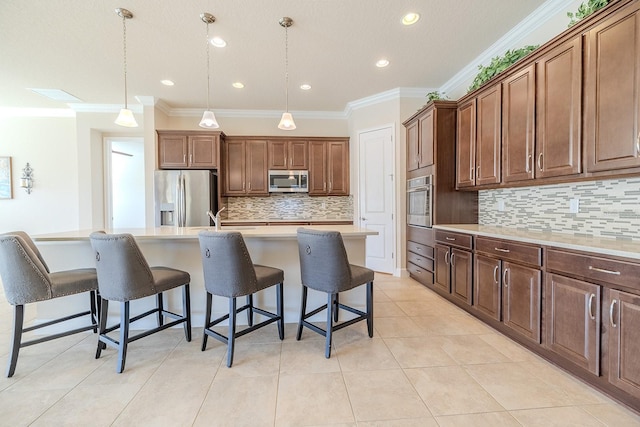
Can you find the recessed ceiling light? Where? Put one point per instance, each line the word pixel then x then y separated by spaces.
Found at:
pixel 218 42
pixel 238 85
pixel 167 82
pixel 410 18
pixel 305 86
pixel 382 63
pixel 56 94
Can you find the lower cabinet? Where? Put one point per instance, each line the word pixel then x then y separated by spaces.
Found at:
pixel 487 287
pixel 624 345
pixel 521 299
pixel 454 265
pixel 420 253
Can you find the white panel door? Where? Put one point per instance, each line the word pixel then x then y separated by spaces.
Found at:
pixel 377 196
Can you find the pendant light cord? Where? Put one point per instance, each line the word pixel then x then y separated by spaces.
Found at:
pixel 124 48
pixel 208 66
pixel 286 67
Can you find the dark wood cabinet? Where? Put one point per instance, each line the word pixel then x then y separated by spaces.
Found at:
pixel 245 171
pixel 461 275
pixel 624 346
pixel 420 254
pixel 521 306
pixel 487 288
pixel 572 319
pixel 329 168
pixel 454 265
pixel 288 155
pixel 442 274
pixel 478 139
pixel 413 146
pixel 420 140
pixel 612 95
pixel 188 149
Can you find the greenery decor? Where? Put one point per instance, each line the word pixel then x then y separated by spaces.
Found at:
pixel 436 95
pixel 499 64
pixel 586 9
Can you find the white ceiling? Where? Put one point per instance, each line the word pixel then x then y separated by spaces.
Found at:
pixel 76 46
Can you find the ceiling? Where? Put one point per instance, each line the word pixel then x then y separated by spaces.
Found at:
pixel 76 46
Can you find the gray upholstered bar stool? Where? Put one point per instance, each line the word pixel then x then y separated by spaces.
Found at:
pixel 124 275
pixel 229 272
pixel 26 279
pixel 324 267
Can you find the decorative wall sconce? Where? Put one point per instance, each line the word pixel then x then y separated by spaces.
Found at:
pixel 26 180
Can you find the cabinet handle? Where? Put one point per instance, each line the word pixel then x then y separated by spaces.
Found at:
pixel 471 175
pixel 602 270
pixel 285 160
pixel 243 186
pixel 504 277
pixel 495 274
pixel 527 168
pixel 613 303
pixel 249 185
pixel 540 161
pixel 190 158
pixel 451 239
pixel 330 185
pixel 502 250
pixel 452 257
pixel 477 172
pixel 638 144
pixel 184 158
pixel 591 306
pixel 446 258
pixel 324 186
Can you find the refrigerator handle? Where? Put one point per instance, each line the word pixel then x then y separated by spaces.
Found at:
pixel 182 205
pixel 184 201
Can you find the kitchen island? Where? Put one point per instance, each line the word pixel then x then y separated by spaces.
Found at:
pixel 178 247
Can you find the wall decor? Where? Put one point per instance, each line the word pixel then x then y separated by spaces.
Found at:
pixel 5 178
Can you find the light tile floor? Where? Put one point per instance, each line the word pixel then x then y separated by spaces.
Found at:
pixel 429 364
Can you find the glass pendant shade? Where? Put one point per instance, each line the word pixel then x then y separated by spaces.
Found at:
pixel 209 120
pixel 286 122
pixel 125 118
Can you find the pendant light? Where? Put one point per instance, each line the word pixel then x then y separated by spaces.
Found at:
pixel 286 122
pixel 125 118
pixel 208 118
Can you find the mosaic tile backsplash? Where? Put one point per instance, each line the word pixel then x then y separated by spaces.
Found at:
pixel 290 206
pixel 608 208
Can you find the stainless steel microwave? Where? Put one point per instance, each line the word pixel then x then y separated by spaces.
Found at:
pixel 288 181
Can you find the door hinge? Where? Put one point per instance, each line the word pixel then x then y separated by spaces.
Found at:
pixel 392 255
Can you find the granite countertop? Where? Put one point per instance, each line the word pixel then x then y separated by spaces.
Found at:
pixel 597 245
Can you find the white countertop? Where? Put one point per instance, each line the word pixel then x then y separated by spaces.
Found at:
pixel 597 245
pixel 172 233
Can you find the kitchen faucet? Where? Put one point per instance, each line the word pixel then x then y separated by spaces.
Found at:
pixel 216 218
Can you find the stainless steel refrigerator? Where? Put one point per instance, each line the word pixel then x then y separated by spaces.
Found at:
pixel 183 197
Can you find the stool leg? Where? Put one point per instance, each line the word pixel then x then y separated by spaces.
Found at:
pixel 104 308
pixel 327 347
pixel 232 331
pixel 250 310
pixel 124 336
pixel 279 304
pixel 337 308
pixel 186 311
pixel 303 312
pixel 370 308
pixel 18 322
pixel 94 316
pixel 160 309
pixel 207 320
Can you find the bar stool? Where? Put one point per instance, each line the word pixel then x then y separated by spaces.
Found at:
pixel 324 267
pixel 124 275
pixel 26 279
pixel 229 272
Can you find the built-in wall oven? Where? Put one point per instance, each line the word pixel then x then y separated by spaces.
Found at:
pixel 420 201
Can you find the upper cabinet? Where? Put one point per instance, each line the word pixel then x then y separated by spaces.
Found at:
pixel 188 149
pixel 478 139
pixel 288 154
pixel 245 170
pixel 329 168
pixel 420 137
pixel 612 91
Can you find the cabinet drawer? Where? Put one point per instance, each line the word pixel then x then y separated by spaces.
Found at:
pixel 420 249
pixel 420 274
pixel 426 236
pixel 594 268
pixel 455 239
pixel 420 261
pixel 511 251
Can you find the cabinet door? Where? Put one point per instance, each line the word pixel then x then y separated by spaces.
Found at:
pixel 486 292
pixel 412 146
pixel 559 111
pixel 572 319
pixel 317 168
pixel 612 91
pixel 518 125
pixel 461 275
pixel 521 299
pixel 426 136
pixel 338 168
pixel 172 151
pixel 466 145
pixel 256 168
pixel 203 152
pixel 298 155
pixel 488 157
pixel 442 278
pixel 278 155
pixel 624 345
pixel 234 171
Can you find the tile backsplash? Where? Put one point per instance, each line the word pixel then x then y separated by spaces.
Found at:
pixel 290 206
pixel 608 208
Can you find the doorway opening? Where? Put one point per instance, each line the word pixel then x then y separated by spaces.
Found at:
pixel 124 183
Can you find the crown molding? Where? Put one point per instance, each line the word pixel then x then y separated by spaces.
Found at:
pixel 389 95
pixel 535 20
